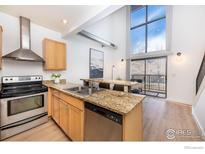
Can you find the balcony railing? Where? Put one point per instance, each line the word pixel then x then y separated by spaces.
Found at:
pixel 154 85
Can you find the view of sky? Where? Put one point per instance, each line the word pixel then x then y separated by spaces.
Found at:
pixel 156 39
pixel 138 40
pixel 156 36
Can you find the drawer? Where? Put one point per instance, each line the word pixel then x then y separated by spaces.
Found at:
pixel 72 101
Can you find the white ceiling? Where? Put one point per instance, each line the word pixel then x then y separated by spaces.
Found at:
pixel 50 16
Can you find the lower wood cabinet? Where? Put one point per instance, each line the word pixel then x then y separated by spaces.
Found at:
pixel 56 109
pixel 70 118
pixel 76 124
pixel 64 116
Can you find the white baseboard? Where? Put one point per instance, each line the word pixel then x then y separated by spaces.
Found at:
pixel 178 102
pixel 198 123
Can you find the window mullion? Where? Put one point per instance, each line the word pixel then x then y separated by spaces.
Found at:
pixel 146 18
pixel 145 71
pixel 148 22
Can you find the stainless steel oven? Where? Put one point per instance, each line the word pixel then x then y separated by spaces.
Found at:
pixel 23 106
pixel 17 108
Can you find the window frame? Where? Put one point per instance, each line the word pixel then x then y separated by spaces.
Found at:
pixel 146 28
pixel 134 56
pixel 145 72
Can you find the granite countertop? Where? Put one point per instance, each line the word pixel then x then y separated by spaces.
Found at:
pixel 62 86
pixel 118 82
pixel 116 101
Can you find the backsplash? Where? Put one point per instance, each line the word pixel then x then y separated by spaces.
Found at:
pixel 11 42
pixel 20 68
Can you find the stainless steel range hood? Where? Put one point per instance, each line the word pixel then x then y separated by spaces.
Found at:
pixel 97 39
pixel 24 53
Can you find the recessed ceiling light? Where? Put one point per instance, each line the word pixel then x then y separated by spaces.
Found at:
pixel 64 21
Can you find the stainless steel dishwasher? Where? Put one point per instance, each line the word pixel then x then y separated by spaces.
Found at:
pixel 102 124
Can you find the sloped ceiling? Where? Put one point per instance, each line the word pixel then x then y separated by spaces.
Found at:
pixel 50 16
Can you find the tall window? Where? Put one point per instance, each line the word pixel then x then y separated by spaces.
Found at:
pixel 148 28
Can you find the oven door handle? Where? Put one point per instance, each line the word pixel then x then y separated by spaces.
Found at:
pixel 24 96
pixel 22 122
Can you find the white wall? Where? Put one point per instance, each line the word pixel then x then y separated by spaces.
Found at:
pixel 78 58
pixel 198 111
pixel 112 28
pixel 11 41
pixel 188 37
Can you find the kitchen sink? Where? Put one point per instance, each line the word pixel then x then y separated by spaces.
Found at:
pixel 82 90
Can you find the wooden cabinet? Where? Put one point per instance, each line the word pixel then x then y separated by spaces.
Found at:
pixel 68 113
pixel 133 124
pixel 54 55
pixel 61 56
pixel 50 100
pixel 76 122
pixel 1 46
pixel 64 116
pixel 56 109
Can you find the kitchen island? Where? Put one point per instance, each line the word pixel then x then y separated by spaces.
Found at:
pixel 69 111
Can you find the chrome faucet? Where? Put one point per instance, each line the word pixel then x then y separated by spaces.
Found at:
pixel 90 87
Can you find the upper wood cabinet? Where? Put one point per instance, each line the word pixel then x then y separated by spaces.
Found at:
pixel 1 46
pixel 54 55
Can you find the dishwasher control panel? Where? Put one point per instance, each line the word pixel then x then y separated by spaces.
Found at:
pixel 104 112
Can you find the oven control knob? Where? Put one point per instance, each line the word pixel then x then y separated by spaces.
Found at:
pixel 11 79
pixel 6 79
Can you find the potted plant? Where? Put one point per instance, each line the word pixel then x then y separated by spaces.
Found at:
pixel 56 77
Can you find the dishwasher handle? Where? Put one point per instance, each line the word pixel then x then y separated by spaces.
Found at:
pixel 104 112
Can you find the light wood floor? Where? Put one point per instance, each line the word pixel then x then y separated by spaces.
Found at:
pixel 158 117
pixel 45 132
